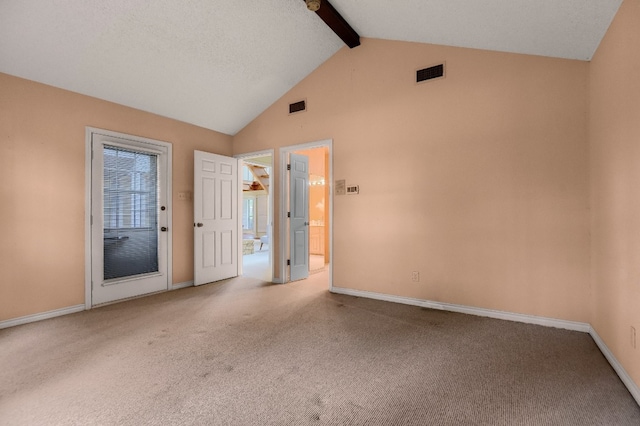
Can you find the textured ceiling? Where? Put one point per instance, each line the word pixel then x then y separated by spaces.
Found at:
pixel 569 29
pixel 219 64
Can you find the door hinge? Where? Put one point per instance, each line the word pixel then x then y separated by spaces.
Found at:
pixel 288 166
pixel 288 214
pixel 288 262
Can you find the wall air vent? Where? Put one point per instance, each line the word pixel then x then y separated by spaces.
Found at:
pixel 297 106
pixel 436 71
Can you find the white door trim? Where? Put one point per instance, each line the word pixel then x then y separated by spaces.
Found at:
pixel 270 197
pixel 284 196
pixel 89 131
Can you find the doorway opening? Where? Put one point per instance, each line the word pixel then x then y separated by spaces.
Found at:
pixel 318 200
pixel 256 170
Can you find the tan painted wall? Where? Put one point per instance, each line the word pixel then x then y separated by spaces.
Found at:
pixel 479 181
pixel 42 194
pixel 615 186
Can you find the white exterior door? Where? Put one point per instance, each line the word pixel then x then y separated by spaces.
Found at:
pixel 299 220
pixel 215 217
pixel 129 217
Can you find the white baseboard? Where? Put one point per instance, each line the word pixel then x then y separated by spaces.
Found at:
pixel 509 316
pixel 481 312
pixel 185 284
pixel 41 316
pixel 633 388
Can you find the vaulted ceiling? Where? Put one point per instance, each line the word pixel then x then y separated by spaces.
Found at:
pixel 219 64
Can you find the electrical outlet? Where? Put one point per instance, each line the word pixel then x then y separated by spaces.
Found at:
pixel 353 189
pixel 184 195
pixel 633 337
pixel 415 276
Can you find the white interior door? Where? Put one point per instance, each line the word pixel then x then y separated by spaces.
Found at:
pixel 262 214
pixel 129 217
pixel 299 220
pixel 215 217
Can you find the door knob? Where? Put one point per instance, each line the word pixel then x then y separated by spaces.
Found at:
pixel 163 229
pixel 200 225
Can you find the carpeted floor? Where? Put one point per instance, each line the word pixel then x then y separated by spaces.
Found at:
pixel 256 265
pixel 243 352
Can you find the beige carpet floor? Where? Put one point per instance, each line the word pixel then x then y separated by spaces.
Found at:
pixel 243 352
pixel 256 265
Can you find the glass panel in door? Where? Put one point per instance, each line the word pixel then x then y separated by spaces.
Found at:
pixel 130 213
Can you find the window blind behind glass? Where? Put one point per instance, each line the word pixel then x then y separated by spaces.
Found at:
pixel 130 212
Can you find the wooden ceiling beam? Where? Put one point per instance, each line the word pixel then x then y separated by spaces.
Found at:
pixel 338 24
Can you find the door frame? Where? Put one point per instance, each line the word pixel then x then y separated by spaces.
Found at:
pixel 283 220
pixel 88 264
pixel 241 158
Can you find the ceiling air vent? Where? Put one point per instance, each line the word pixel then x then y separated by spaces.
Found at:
pixel 430 73
pixel 297 107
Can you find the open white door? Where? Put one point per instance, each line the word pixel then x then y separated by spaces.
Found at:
pixel 215 199
pixel 299 222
